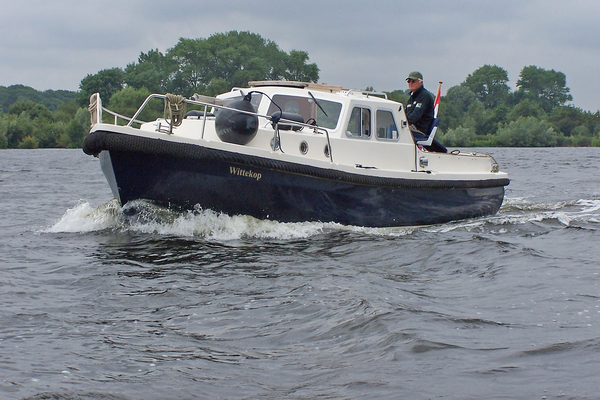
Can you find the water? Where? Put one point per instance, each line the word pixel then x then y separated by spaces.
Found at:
pixel 199 305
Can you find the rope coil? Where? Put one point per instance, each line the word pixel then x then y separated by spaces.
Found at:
pixel 175 108
pixel 93 109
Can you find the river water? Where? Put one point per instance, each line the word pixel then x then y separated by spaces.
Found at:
pixel 199 305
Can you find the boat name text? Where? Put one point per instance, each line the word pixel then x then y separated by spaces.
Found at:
pixel 245 172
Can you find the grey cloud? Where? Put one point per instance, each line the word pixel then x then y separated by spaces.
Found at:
pixel 354 44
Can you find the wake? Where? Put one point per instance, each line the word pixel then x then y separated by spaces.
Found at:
pixel 145 217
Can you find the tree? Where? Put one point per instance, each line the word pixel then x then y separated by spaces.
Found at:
pixel 460 107
pixel 152 71
pixel 18 127
pixel 3 128
pixel 75 132
pixel 217 86
pixel 65 112
pixel 12 94
pixel 127 101
pixel 399 95
pixel 46 133
pixel 235 58
pixel 106 82
pixel 489 84
pixel 52 99
pixel 527 108
pixel 547 88
pixel 459 137
pixel 526 132
pixel 566 119
pixel 298 69
pixel 192 58
pixel 33 110
pixel 28 142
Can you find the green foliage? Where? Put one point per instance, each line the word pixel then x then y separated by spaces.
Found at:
pixel 152 71
pixel 527 108
pixel 222 61
pixel 31 125
pixel 3 128
pixel 526 132
pixel 217 86
pixel 28 142
pixel 481 111
pixel 31 109
pixel 127 101
pixel 400 96
pixel 75 131
pixel 65 112
pixel 298 69
pixel 546 88
pixel 566 119
pixel 50 98
pixel 489 84
pixel 459 137
pixel 83 117
pixel 106 82
pixel 460 107
pixel 18 128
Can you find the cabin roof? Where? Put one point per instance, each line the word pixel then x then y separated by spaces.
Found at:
pixel 296 84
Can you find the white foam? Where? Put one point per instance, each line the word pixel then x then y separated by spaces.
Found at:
pixel 85 218
pixel 565 212
pixel 219 226
pixel 149 218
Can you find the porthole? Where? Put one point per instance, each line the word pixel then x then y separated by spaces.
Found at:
pixel 303 147
pixel 326 151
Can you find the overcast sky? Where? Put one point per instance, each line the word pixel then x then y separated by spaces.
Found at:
pixel 55 44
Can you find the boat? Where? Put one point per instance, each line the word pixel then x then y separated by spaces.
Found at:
pixel 292 152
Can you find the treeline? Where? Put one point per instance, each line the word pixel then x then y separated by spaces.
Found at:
pixel 31 119
pixel 51 99
pixel 482 111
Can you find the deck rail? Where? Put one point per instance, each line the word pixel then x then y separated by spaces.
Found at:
pixel 96 109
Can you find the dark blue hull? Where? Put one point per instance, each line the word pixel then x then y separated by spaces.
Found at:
pixel 267 192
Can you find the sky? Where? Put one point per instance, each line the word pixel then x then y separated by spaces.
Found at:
pixel 356 44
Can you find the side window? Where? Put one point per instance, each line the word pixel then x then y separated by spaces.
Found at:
pixel 386 126
pixel 360 123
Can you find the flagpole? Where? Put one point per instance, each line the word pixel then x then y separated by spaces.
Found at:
pixel 437 100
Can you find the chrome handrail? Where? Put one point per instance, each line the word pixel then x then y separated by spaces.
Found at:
pixel 139 110
pixel 206 105
pixel 116 115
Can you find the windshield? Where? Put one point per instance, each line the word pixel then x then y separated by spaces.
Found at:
pixel 327 117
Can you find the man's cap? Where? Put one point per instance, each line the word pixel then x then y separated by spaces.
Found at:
pixel 415 75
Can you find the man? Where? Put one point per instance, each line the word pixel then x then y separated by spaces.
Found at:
pixel 419 111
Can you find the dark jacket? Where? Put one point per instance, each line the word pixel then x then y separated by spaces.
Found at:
pixel 419 110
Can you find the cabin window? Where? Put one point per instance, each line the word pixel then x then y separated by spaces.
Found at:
pixel 255 99
pixel 360 123
pixel 326 116
pixel 386 126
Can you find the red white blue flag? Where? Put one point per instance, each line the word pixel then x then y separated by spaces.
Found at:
pixel 437 101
